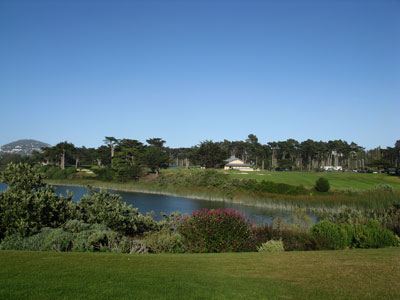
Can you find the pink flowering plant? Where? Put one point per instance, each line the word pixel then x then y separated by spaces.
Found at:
pixel 216 230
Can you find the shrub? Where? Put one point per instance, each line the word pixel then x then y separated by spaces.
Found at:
pixel 105 173
pixel 108 209
pixel 28 204
pixel 272 246
pixel 103 241
pixel 322 185
pixel 127 173
pixel 391 219
pixel 31 243
pixel 164 241
pixel 372 235
pixel 216 230
pixel 54 172
pixel 329 235
pixel 292 238
pixel 58 240
pixel 131 246
pixel 75 226
pixel 384 188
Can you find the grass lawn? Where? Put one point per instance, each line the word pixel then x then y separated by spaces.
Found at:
pixel 337 180
pixel 348 274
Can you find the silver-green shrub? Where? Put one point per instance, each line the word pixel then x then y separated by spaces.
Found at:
pixel 164 241
pixel 272 246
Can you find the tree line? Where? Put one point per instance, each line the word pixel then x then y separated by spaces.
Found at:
pixel 127 158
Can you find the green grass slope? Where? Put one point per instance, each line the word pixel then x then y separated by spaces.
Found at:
pixel 337 180
pixel 349 274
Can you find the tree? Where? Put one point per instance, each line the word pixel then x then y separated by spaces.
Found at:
pixel 211 155
pixel 158 142
pixel 322 185
pixel 155 159
pixel 62 149
pixel 111 142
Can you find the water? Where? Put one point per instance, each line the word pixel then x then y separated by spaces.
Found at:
pixel 162 203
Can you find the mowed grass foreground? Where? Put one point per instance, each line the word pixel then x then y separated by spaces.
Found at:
pixel 348 274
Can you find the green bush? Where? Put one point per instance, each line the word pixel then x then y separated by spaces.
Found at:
pixel 164 241
pixel 271 246
pixel 330 236
pixel 31 243
pixel 372 235
pixel 58 240
pixel 322 185
pixel 216 230
pixel 104 241
pixel 105 173
pixel 128 173
pixel 292 238
pixel 54 172
pixel 75 226
pixel 28 204
pixel 108 209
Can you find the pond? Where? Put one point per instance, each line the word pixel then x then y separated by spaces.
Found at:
pixel 163 203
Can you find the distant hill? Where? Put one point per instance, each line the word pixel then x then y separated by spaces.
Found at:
pixel 22 147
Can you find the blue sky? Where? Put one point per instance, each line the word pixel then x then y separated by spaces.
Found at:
pixel 188 71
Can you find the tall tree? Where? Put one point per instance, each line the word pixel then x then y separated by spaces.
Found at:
pixel 62 149
pixel 111 142
pixel 158 142
pixel 211 155
pixel 155 158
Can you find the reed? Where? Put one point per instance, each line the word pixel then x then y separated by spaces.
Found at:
pixel 313 202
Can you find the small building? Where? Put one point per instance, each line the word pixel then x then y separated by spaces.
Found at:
pixel 332 168
pixel 234 163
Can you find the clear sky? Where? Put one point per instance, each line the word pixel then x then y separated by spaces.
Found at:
pixel 187 71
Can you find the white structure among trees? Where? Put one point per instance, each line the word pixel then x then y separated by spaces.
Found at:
pixel 234 163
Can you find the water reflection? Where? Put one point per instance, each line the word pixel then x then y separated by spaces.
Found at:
pixel 162 203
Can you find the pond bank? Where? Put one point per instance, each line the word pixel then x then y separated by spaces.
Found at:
pixel 288 205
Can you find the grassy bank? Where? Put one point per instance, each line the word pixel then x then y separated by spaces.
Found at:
pixel 348 274
pixel 337 180
pixel 316 203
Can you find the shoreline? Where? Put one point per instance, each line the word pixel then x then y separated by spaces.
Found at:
pixel 270 203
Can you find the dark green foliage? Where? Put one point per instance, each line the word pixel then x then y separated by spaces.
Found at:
pixel 54 172
pixel 292 239
pixel 213 179
pixel 391 219
pixel 330 236
pixel 211 155
pixel 128 173
pixel 32 243
pixel 103 241
pixel 104 173
pixel 216 230
pixel 75 236
pixel 108 209
pixel 21 177
pixel 58 240
pixel 322 185
pixel 372 235
pixel 155 158
pixel 28 204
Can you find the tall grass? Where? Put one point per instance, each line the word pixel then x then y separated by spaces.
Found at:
pixel 313 202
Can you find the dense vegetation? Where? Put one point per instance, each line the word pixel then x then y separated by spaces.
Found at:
pixel 33 217
pixel 129 159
